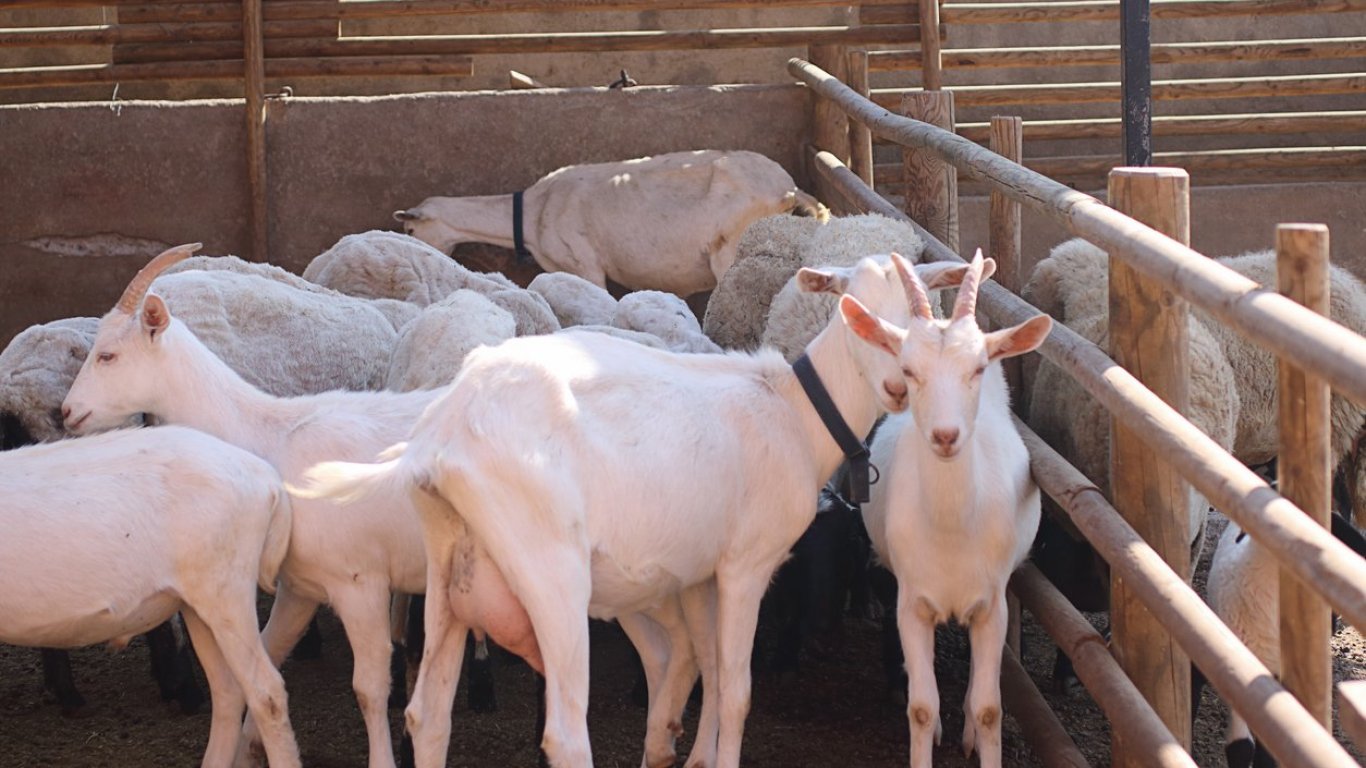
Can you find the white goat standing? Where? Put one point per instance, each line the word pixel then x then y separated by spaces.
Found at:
pixel 108 536
pixel 145 361
pixel 606 478
pixel 956 511
pixel 668 223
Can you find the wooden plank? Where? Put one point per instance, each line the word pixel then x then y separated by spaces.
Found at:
pixel 931 184
pixel 169 71
pixel 1045 734
pixel 115 34
pixel 860 138
pixel 931 66
pixel 1304 472
pixel 1004 234
pixel 1163 90
pixel 1131 717
pixel 1347 121
pixel 1108 10
pixel 254 83
pixel 1148 336
pixel 1108 55
pixel 830 126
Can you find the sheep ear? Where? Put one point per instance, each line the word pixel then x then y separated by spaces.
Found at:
pixel 830 280
pixel 155 317
pixel 870 327
pixel 408 215
pixel 1025 337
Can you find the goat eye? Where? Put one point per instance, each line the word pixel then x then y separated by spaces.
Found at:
pixel 105 357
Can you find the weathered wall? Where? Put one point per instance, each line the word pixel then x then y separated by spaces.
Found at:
pixel 169 172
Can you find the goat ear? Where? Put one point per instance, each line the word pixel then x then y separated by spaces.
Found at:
pixel 1025 337
pixel 870 327
pixel 829 280
pixel 155 317
pixel 946 274
pixel 408 215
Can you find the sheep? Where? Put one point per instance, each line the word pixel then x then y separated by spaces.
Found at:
pixel 145 361
pixel 794 318
pixel 665 316
pixel 667 223
pixel 767 255
pixel 432 347
pixel 390 265
pixel 956 511
pixel 574 300
pixel 170 519
pixel 530 311
pixel 586 512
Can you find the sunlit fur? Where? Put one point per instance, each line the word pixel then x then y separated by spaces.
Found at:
pixel 605 478
pixel 955 512
pixel 106 537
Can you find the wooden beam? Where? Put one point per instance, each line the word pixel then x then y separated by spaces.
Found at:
pixel 1163 90
pixel 931 65
pixel 172 71
pixel 1346 121
pixel 1131 717
pixel 1108 55
pixel 1352 710
pixel 1304 471
pixel 1004 235
pixel 1047 737
pixel 860 138
pixel 1148 336
pixel 254 82
pixel 1108 10
pixel 117 34
pixel 931 184
pixel 830 125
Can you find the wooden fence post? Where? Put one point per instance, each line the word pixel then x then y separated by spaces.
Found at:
pixel 860 138
pixel 254 82
pixel 1148 337
pixel 931 183
pixel 1007 140
pixel 931 56
pixel 832 124
pixel 1304 472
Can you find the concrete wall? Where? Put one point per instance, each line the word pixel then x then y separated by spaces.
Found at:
pixel 91 192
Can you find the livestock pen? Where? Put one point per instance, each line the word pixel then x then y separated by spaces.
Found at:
pixel 96 185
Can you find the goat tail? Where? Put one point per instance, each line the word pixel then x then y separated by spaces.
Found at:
pixel 348 482
pixel 808 205
pixel 277 540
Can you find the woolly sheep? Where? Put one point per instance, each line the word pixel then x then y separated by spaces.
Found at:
pixel 530 311
pixel 793 318
pixel 574 301
pixel 431 348
pixel 390 265
pixel 665 316
pixel 769 253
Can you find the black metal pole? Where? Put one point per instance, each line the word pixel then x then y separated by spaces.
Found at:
pixel 1136 78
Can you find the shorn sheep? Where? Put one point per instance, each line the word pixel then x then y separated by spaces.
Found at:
pixel 351 557
pixel 168 519
pixel 547 449
pixel 956 511
pixel 665 223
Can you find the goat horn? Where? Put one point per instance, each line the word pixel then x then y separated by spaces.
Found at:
pixel 966 305
pixel 915 288
pixel 137 287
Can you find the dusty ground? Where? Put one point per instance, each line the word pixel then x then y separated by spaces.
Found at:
pixel 834 712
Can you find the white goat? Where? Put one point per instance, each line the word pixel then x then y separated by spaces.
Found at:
pixel 667 223
pixel 145 361
pixel 957 510
pixel 106 537
pixel 604 478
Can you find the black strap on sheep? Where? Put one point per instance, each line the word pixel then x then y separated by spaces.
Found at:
pixel 856 480
pixel 518 240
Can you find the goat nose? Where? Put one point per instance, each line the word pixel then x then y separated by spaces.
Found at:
pixel 945 438
pixel 66 412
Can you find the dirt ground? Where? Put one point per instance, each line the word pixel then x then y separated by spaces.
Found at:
pixel 834 712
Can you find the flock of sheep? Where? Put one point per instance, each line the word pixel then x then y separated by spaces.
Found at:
pixel 392 424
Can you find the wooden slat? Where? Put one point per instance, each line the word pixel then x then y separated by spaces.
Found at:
pixel 254 86
pixel 1304 473
pixel 1108 10
pixel 1352 121
pixel 931 60
pixel 1004 235
pixel 1163 90
pixel 1352 710
pixel 1108 55
pixel 116 34
pixel 860 138
pixel 232 70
